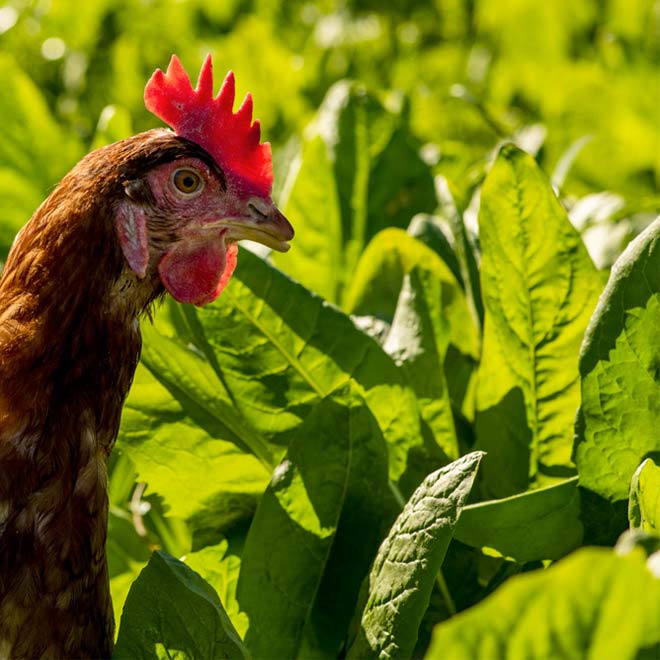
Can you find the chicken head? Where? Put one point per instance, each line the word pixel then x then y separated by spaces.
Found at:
pixel 184 216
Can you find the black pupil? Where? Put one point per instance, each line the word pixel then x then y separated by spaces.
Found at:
pixel 187 181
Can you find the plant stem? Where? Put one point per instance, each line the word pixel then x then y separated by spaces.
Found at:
pixel 444 590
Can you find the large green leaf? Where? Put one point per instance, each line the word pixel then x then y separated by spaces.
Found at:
pixel 539 524
pixel 170 611
pixel 226 388
pixel 175 435
pixel 278 350
pixel 433 333
pixel 644 501
pixel 418 340
pixel 358 172
pixel 313 205
pixel 539 288
pixel 617 426
pixel 390 256
pixel 593 604
pixel 408 561
pixel 315 533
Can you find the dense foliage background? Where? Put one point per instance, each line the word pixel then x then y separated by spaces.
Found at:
pixel 459 305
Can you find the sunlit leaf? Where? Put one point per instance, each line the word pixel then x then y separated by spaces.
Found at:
pixel 278 350
pixel 644 502
pixel 593 604
pixel 539 289
pixel 171 441
pixel 220 565
pixel 418 340
pixel 619 365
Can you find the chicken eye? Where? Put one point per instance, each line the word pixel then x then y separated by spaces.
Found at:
pixel 187 181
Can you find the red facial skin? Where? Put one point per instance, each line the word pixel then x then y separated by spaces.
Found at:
pixel 196 231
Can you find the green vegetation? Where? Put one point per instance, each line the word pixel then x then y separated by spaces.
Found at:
pixel 394 440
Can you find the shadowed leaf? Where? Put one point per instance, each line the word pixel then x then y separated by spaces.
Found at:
pixel 171 611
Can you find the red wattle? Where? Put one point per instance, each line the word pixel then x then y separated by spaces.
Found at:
pixel 197 275
pixel 230 264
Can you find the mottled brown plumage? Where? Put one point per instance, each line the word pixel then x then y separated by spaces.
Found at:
pixel 70 297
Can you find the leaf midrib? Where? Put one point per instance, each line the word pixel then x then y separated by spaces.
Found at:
pixel 291 359
pixel 534 427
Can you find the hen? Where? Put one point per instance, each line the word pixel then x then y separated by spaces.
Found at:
pixel 160 211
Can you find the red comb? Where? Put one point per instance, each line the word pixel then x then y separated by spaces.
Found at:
pixel 231 138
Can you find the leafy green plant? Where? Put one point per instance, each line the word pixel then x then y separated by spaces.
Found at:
pixel 348 425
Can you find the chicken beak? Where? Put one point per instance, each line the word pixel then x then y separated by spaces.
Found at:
pixel 263 223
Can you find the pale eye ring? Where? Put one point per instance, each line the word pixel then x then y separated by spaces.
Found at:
pixel 187 181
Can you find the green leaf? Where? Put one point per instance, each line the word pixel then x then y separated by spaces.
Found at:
pixel 390 256
pixel 617 425
pixel 196 385
pixel 405 282
pixel 315 533
pixel 331 190
pixel 375 286
pixel 593 604
pixel 539 289
pixel 278 350
pixel 539 524
pixel 644 502
pixel 408 562
pixel 240 376
pixel 32 143
pixel 220 566
pixel 359 171
pixel 418 340
pixel 170 611
pixel 172 440
pixel 312 203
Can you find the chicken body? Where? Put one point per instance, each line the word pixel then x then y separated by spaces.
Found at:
pixel 77 279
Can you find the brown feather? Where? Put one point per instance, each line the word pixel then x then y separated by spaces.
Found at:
pixel 69 346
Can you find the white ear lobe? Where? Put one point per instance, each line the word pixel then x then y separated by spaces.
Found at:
pixel 132 232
